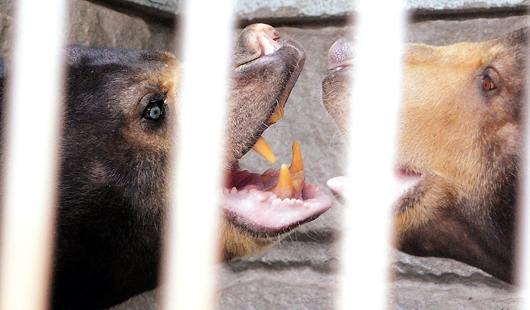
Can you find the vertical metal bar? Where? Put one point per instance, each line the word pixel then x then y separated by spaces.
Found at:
pixel 372 134
pixel 192 251
pixel 29 183
pixel 523 228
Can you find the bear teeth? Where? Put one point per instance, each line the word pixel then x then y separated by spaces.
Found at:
pixel 262 148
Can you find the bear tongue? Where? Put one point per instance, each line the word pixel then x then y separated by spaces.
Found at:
pixel 405 181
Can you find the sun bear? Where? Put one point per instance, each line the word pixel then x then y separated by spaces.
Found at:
pixel 119 115
pixel 460 143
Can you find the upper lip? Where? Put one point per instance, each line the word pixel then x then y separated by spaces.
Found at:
pixel 339 66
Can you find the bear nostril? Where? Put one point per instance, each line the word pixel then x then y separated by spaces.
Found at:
pixel 266 36
pixel 255 41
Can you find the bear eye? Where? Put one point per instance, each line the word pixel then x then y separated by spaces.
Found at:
pixel 487 84
pixel 154 110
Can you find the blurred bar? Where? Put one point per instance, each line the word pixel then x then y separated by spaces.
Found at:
pixel 522 254
pixel 189 277
pixel 376 95
pixel 30 169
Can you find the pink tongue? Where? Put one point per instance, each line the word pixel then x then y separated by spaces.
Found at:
pixel 337 184
pixel 404 182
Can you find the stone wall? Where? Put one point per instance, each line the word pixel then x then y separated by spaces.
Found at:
pixel 102 24
pixel 301 271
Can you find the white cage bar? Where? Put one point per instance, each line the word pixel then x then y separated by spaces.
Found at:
pixel 367 219
pixel 189 280
pixel 31 158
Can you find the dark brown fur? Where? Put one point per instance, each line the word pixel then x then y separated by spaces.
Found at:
pixel 464 138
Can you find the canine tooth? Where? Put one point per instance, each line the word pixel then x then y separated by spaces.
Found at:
pixel 233 190
pixel 297 164
pixel 262 148
pixel 297 167
pixel 277 114
pixel 284 188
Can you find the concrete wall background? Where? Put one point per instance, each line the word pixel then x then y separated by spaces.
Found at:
pixel 301 271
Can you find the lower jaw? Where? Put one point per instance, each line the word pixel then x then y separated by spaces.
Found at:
pixel 275 202
pixel 263 214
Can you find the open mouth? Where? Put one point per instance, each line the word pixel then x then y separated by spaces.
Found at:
pixel 406 180
pixel 275 201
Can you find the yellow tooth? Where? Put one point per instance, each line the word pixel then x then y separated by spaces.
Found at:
pixel 284 188
pixel 264 150
pixel 297 164
pixel 297 167
pixel 277 114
